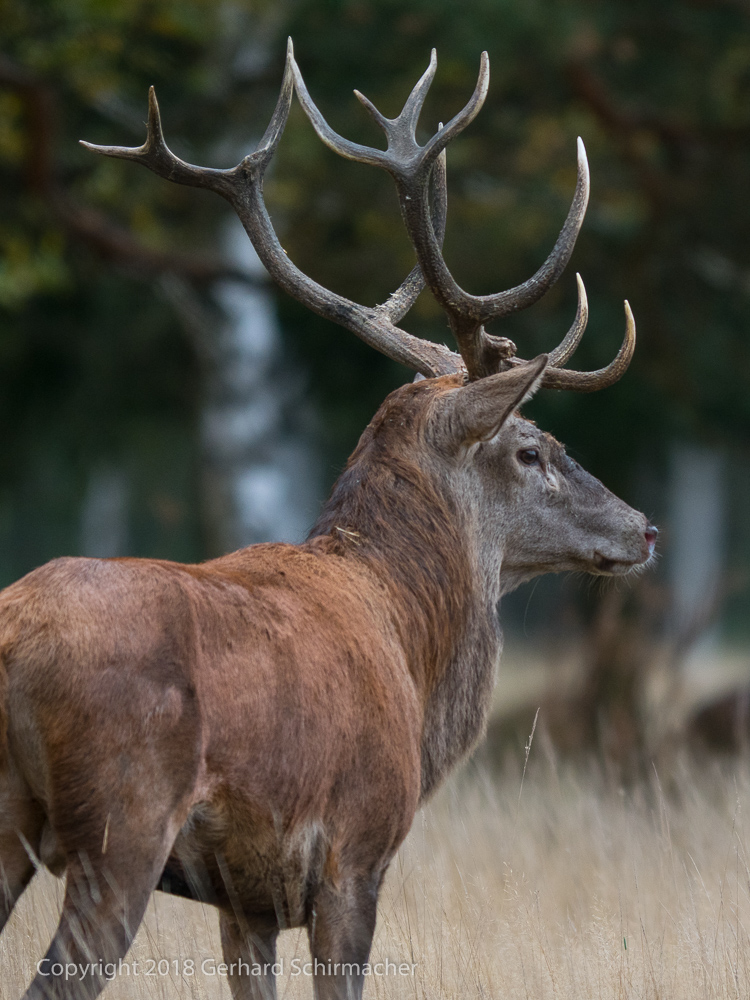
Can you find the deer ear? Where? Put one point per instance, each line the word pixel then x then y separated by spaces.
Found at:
pixel 478 410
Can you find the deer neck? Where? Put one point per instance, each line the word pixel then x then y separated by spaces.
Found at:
pixel 440 591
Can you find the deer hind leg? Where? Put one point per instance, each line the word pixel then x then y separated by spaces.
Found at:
pixel 340 930
pixel 109 883
pixel 21 822
pixel 118 801
pixel 250 954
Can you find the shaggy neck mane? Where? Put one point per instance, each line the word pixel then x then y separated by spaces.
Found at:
pixel 385 511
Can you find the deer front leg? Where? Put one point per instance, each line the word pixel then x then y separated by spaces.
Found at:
pixel 105 898
pixel 250 955
pixel 340 929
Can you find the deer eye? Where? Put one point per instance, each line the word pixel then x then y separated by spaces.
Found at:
pixel 528 456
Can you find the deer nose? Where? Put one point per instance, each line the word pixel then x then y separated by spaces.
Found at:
pixel 651 533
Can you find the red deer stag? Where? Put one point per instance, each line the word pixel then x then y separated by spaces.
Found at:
pixel 258 731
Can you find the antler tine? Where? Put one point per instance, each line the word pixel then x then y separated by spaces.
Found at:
pixel 572 338
pixel 272 135
pixel 532 290
pixel 349 150
pixel 157 156
pixel 415 101
pixel 559 378
pixel 465 116
pixel 411 110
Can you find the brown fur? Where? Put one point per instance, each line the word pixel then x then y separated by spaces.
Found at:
pixel 258 731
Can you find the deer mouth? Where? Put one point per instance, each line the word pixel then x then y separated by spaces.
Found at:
pixel 606 566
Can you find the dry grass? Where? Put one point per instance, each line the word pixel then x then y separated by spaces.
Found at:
pixel 574 889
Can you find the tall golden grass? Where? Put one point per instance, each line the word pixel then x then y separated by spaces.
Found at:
pixel 563 885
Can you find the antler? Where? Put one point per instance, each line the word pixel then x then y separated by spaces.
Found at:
pixel 410 165
pixel 242 186
pixel 419 172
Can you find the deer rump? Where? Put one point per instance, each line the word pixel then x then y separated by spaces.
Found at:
pixel 222 703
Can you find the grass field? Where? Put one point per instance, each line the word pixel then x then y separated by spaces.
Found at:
pixel 566 886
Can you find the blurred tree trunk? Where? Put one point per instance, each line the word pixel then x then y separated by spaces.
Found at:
pixel 261 476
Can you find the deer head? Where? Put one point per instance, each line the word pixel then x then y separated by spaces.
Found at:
pixel 538 509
